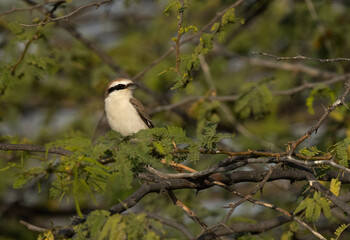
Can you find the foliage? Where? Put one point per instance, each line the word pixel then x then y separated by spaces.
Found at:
pixel 312 207
pixel 100 225
pixel 339 231
pixel 235 103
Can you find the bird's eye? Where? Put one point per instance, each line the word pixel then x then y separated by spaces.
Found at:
pixel 117 87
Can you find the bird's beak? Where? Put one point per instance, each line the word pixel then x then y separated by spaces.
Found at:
pixel 133 86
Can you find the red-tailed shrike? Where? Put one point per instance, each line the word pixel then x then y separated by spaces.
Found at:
pixel 125 114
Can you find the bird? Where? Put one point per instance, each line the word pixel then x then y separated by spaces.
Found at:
pixel 125 114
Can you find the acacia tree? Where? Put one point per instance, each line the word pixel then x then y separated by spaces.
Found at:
pixel 251 139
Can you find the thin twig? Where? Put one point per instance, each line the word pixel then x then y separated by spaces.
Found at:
pixel 341 101
pixel 171 223
pixel 33 227
pixel 253 192
pixel 14 9
pixel 257 61
pixel 300 57
pixel 187 210
pixel 96 4
pixel 178 39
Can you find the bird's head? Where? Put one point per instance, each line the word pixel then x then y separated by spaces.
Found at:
pixel 120 86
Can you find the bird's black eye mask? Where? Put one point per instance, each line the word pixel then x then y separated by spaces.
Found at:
pixel 121 87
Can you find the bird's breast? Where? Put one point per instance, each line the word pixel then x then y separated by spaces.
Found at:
pixel 122 116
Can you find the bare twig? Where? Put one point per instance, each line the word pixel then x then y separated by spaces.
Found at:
pixel 293 67
pixel 207 74
pixel 253 192
pixel 341 101
pixel 171 223
pixel 300 57
pixel 14 9
pixel 307 85
pixel 33 227
pixel 187 210
pixel 65 17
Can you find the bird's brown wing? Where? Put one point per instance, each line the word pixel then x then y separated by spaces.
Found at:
pixel 142 112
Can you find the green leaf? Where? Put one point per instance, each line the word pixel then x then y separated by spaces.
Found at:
pixel 114 228
pixel 310 208
pixel 310 151
pixel 340 230
pixel 96 221
pixel 21 181
pixel 228 17
pixel 320 91
pixel 341 152
pixel 256 102
pixel 335 186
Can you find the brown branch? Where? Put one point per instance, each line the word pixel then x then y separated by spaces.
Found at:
pixel 307 85
pixel 341 101
pixel 252 193
pixel 187 210
pixel 254 228
pixel 315 72
pixel 171 223
pixel 314 183
pixel 14 9
pixel 33 227
pixel 299 57
pixel 96 4
pixel 316 163
pixel 33 148
pixel 35 37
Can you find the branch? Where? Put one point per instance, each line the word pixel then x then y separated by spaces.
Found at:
pixel 231 98
pixel 187 210
pixel 33 227
pixel 33 148
pixel 313 182
pixel 171 223
pixel 341 101
pixel 252 193
pixel 312 85
pixel 299 57
pixel 179 34
pixel 14 9
pixel 97 4
pixel 315 72
pixel 254 228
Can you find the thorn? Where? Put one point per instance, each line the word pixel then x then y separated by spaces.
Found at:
pixel 346 105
